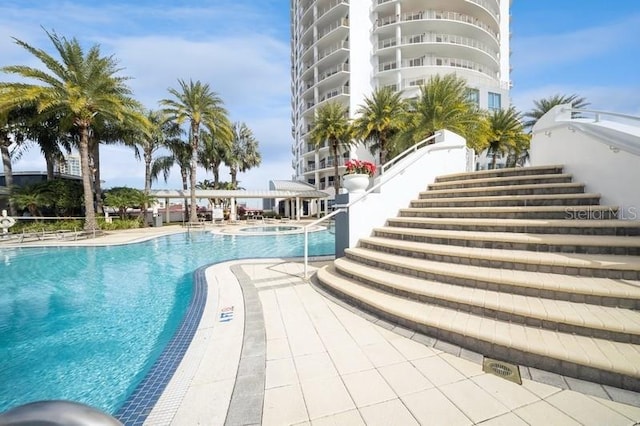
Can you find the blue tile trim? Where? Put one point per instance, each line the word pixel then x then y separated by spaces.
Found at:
pixel 137 407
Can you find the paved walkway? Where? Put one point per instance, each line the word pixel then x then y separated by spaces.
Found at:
pixel 308 360
pixel 272 349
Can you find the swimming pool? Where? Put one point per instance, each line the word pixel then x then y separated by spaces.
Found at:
pixel 86 324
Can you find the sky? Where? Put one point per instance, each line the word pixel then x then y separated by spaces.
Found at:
pixel 241 49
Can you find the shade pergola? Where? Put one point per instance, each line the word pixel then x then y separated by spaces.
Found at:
pixel 233 195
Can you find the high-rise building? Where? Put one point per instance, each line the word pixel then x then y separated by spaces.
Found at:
pixel 70 165
pixel 341 50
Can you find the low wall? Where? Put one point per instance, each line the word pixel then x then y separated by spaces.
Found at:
pixel 404 181
pixel 601 154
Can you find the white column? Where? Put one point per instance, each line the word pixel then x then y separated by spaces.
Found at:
pixel 232 213
pixel 298 208
pixel 167 213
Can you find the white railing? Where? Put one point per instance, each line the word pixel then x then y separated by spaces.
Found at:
pixel 407 152
pixel 345 207
pixel 576 119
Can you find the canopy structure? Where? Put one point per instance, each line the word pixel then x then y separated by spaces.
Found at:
pixel 297 195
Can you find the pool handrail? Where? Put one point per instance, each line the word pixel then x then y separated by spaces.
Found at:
pixel 306 236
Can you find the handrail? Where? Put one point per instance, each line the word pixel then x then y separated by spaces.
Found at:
pixel 345 207
pixel 306 237
pixel 600 112
pixel 406 152
pixel 575 119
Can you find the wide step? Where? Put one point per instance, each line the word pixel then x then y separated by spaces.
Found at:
pixel 518 264
pixel 617 324
pixel 535 189
pixel 510 200
pixel 621 267
pixel 604 291
pixel 613 363
pixel 529 226
pixel 589 244
pixel 594 212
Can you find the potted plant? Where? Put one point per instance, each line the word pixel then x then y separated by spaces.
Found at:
pixel 356 178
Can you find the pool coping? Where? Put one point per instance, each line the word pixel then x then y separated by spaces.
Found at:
pixel 138 406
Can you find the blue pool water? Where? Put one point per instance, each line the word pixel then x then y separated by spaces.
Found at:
pixel 86 324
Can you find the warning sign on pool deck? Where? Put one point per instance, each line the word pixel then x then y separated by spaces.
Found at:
pixel 226 314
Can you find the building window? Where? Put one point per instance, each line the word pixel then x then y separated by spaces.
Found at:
pixel 474 96
pixel 494 101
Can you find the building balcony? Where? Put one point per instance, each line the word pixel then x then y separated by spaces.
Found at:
pixel 423 15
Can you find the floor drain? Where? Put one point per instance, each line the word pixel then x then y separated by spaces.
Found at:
pixel 502 369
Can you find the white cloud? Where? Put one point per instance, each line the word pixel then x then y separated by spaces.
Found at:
pixel 248 68
pixel 540 52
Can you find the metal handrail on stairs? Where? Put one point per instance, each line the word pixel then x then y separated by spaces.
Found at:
pixel 425 143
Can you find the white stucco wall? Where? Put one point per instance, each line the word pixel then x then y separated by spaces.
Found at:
pixel 448 155
pixel 602 155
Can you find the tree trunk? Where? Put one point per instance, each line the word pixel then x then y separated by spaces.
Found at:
pixel 185 186
pixel 234 173
pixel 383 150
pixel 193 212
pixel 336 174
pixel 8 172
pixel 493 161
pixel 96 175
pixel 50 161
pixel 89 209
pixel 216 175
pixel 147 185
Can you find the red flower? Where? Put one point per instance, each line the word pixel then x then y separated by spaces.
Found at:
pixel 360 167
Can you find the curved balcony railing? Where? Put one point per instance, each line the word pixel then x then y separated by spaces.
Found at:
pixel 435 14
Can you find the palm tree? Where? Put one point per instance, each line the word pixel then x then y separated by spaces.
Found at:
pixel 381 118
pixel 9 135
pixel 212 154
pixel 506 133
pixel 79 86
pixel 180 156
pixel 200 106
pixel 244 152
pixel 331 124
pixel 443 103
pixel 544 105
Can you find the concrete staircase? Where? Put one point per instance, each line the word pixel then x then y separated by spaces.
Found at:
pixel 516 264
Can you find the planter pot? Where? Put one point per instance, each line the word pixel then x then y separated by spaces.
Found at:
pixel 355 183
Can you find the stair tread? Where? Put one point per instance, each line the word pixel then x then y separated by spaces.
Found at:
pixel 515 237
pixel 592 286
pixel 578 314
pixel 503 188
pixel 501 171
pixel 510 209
pixel 590 223
pixel 574 260
pixel 501 178
pixel 508 197
pixel 621 358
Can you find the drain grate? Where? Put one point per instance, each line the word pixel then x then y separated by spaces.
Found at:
pixel 502 369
